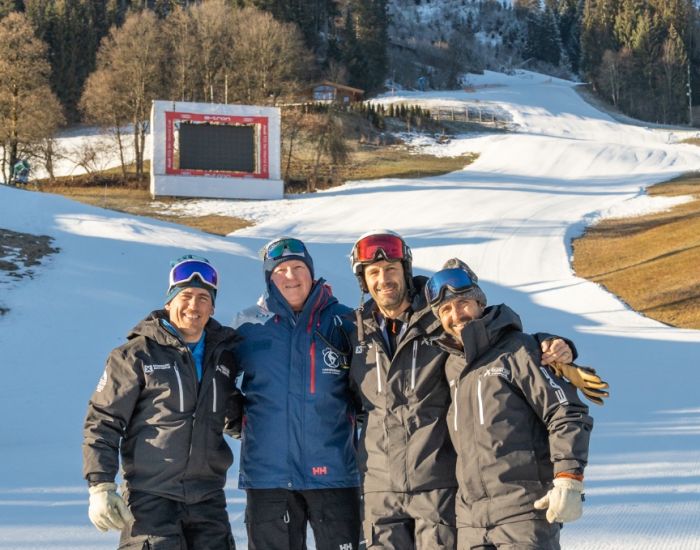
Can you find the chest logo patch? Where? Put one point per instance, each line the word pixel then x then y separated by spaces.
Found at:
pixel 224 370
pixel 150 369
pixel 332 362
pixel 503 372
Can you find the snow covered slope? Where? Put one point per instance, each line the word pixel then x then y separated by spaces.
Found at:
pixel 510 215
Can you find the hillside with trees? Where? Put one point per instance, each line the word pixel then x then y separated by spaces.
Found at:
pixel 103 61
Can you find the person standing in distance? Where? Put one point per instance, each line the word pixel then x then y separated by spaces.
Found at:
pixel 405 456
pixel 163 403
pixel 298 439
pixel 521 435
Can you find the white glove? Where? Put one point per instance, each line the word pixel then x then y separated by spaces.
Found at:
pixel 107 508
pixel 563 503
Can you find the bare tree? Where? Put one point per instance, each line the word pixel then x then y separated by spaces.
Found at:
pixel 270 58
pixel 330 143
pixel 180 31
pixel 128 78
pixel 214 32
pixel 29 111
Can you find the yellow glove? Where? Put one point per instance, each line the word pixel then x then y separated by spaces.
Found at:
pixel 585 379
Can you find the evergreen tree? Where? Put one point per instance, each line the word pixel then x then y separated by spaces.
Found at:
pixel 351 54
pixel 542 39
pixel 569 13
pixel 371 25
pixel 674 63
pixel 626 20
pixel 597 33
pixel 73 30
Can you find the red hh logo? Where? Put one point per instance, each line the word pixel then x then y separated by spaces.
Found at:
pixel 319 470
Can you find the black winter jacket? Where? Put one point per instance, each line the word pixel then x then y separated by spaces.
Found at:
pixel 404 445
pixel 513 423
pixel 168 426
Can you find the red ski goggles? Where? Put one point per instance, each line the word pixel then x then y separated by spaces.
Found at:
pixel 454 279
pixel 186 270
pixel 284 247
pixel 372 247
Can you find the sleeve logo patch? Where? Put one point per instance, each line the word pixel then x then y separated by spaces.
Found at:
pixel 102 382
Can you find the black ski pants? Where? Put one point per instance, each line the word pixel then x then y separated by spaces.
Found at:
pixel 164 524
pixel 276 519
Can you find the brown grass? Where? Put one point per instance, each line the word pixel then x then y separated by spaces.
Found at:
pixel 136 199
pixel 652 262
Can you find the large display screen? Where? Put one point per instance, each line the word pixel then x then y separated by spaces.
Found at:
pixel 216 147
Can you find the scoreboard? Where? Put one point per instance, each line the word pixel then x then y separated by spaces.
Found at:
pixel 215 150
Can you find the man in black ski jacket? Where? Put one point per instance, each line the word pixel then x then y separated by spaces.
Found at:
pixel 521 435
pixel 163 403
pixel 405 455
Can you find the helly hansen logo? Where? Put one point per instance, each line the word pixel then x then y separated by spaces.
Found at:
pixel 561 396
pixel 224 370
pixel 319 470
pixel 346 546
pixel 148 369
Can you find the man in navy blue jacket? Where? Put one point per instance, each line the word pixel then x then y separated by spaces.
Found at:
pixel 298 434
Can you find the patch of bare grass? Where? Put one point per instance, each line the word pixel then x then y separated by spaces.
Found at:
pixel 651 261
pixel 133 197
pixel 19 253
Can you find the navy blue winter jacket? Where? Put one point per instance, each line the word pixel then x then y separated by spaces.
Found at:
pixel 299 419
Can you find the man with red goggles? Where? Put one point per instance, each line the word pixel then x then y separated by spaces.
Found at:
pixel 406 458
pixel 177 365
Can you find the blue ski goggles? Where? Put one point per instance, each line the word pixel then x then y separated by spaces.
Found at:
pixel 186 270
pixel 284 247
pixel 455 280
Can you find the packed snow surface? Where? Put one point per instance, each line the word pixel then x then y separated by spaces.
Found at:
pixel 510 215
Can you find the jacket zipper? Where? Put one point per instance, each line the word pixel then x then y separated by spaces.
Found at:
pixel 413 365
pixel 379 374
pixel 179 387
pixel 455 400
pixel 214 407
pixel 312 382
pixel 481 402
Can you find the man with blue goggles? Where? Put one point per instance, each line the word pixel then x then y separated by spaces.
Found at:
pixel 521 433
pixel 177 365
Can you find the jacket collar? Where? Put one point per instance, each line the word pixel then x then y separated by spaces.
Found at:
pixel 482 334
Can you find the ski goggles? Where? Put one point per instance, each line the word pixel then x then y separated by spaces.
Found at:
pixel 186 270
pixel 372 247
pixel 455 280
pixel 284 247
